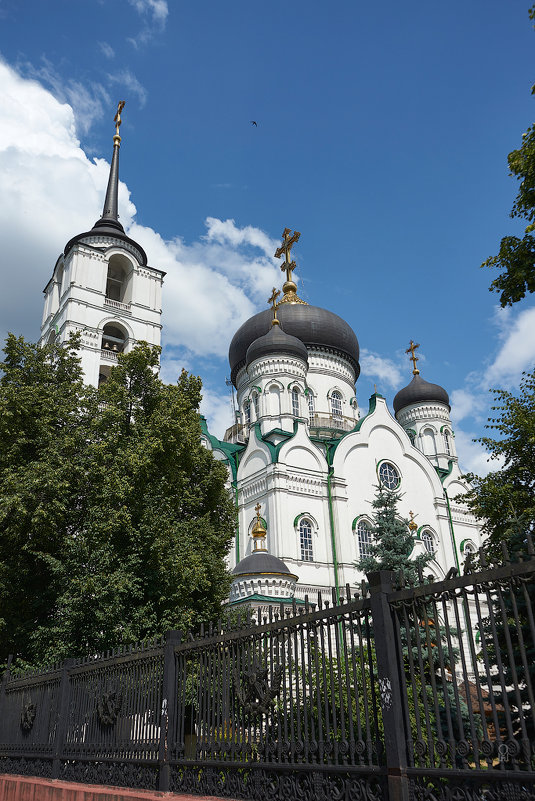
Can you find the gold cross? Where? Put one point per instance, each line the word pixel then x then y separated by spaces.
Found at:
pixel 412 347
pixel 273 300
pixel 257 510
pixel 287 244
pixel 117 118
pixel 412 525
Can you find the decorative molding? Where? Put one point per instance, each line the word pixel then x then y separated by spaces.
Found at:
pixel 305 484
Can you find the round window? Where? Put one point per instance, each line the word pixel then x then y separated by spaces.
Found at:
pixel 389 475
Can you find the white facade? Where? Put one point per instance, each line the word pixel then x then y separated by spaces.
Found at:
pixel 102 287
pixel 315 471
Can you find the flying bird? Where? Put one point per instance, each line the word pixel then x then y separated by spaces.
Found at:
pixel 254 122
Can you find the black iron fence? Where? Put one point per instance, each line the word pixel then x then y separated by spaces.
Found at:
pixel 402 693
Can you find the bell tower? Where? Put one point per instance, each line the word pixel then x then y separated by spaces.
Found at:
pixel 102 286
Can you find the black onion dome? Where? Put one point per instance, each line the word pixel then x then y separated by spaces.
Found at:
pixel 420 391
pixel 276 341
pixel 261 562
pixel 315 327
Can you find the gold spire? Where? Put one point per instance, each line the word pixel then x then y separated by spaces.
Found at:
pixel 412 347
pixel 412 525
pixel 117 120
pixel 273 300
pixel 259 531
pixel 289 287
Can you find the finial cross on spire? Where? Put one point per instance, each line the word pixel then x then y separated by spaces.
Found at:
pixel 273 300
pixel 412 347
pixel 287 243
pixel 117 119
pixel 257 510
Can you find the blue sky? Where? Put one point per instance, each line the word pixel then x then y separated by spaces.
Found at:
pixel 383 131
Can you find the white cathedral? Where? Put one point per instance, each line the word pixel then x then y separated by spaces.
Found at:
pixel 303 459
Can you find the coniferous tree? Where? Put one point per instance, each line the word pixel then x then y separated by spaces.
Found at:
pixel 392 541
pixel 391 548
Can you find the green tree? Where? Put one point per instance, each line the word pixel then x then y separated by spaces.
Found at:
pixel 43 428
pixel 392 540
pixel 504 500
pixel 391 548
pixel 115 520
pixel 507 493
pixel 516 257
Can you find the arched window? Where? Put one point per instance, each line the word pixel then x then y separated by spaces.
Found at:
pixel 256 402
pixel 295 402
pixel 428 442
pixel 428 541
pixel 113 339
pixel 311 408
pixel 447 442
pixel 412 435
pixel 389 475
pixel 274 400
pixel 61 273
pixel 103 374
pixel 336 404
pixel 247 410
pixel 117 281
pixel 305 540
pixel 468 549
pixel 364 538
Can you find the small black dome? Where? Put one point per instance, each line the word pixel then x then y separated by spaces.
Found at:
pixel 261 562
pixel 315 327
pixel 420 391
pixel 275 341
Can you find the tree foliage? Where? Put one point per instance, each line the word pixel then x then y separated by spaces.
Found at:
pixel 504 500
pixel 505 495
pixel 516 256
pixel 392 541
pixel 114 520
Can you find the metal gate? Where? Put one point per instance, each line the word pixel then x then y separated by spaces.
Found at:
pixel 400 693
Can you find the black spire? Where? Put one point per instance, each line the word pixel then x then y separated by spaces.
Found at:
pixel 110 212
pixel 108 224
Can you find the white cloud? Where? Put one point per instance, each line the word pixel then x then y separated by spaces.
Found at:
pixel 106 50
pixel 517 352
pixel 127 79
pixel 156 9
pixel 156 13
pixel 473 457
pixel 211 287
pixel 217 408
pixel 377 366
pixel 89 102
pixel 465 403
pixel 50 190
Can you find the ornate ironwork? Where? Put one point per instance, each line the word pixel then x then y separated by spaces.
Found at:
pixel 257 695
pixel 420 692
pixel 27 716
pixel 108 707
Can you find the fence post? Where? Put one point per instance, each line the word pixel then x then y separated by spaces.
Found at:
pixel 3 686
pixel 388 668
pixel 63 716
pixel 168 711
